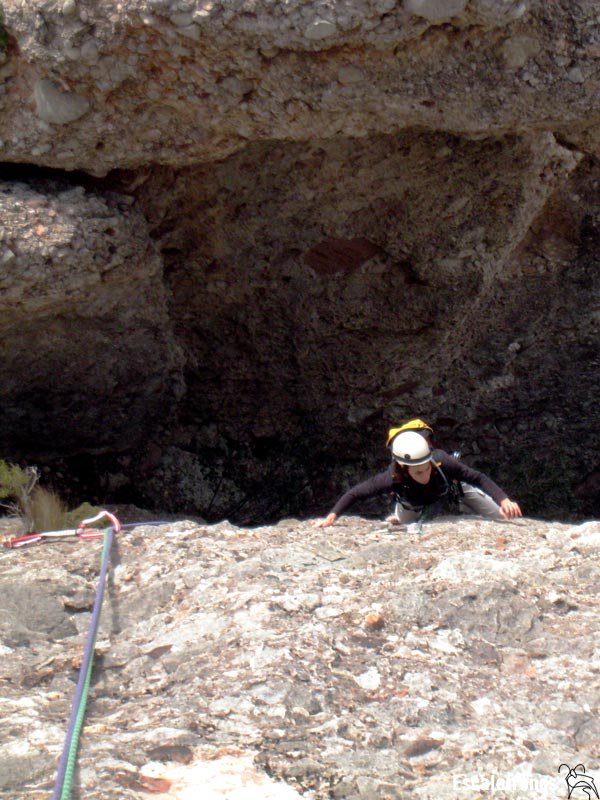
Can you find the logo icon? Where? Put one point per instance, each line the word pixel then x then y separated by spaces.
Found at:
pixel 577 780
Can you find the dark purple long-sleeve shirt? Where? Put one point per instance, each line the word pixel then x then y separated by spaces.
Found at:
pixel 418 494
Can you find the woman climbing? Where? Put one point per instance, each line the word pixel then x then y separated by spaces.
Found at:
pixel 426 482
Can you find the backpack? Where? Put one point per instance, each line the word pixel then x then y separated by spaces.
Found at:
pixel 418 425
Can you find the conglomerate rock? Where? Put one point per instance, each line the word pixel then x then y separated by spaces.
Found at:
pixel 182 82
pixel 299 223
pixel 360 661
pixel 84 314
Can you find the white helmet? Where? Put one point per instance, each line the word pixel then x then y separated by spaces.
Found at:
pixel 411 448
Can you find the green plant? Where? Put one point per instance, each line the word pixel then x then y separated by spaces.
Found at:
pixel 39 509
pixel 72 518
pixel 17 485
pixel 13 480
pixel 47 510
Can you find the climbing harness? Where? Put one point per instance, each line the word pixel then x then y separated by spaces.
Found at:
pixel 453 495
pixel 448 500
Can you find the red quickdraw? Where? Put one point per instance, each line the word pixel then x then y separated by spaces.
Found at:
pixel 81 532
pixel 20 541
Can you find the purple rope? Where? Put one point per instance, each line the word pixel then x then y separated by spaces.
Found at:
pixel 150 522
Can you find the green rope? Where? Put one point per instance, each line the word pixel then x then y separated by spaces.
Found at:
pixel 74 745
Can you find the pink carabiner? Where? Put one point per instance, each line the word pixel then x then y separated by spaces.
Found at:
pixel 115 522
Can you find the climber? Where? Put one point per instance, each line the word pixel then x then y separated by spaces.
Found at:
pixel 426 482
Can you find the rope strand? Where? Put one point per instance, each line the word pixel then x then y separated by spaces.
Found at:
pixel 66 767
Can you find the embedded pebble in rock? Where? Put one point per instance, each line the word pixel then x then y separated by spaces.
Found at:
pixel 435 10
pixel 58 107
pixel 320 29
